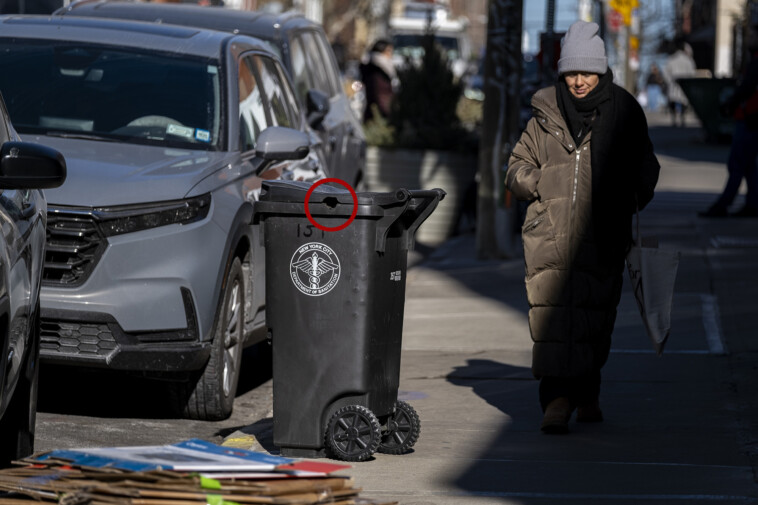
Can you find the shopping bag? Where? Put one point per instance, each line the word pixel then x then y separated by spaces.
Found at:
pixel 652 272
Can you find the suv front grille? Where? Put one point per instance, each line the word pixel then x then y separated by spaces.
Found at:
pixel 74 245
pixel 71 338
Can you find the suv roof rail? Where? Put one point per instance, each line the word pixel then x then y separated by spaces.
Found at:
pixel 290 14
pixel 73 5
pixel 282 16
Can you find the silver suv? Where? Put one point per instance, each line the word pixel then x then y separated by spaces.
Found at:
pixel 152 263
pixel 25 168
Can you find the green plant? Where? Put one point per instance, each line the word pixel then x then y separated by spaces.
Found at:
pixel 379 132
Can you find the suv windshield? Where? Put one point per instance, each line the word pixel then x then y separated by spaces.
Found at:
pixel 112 94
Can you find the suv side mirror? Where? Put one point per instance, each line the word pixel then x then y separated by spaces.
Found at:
pixel 25 165
pixel 277 143
pixel 317 107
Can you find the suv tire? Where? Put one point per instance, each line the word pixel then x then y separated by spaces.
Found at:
pixel 17 424
pixel 210 396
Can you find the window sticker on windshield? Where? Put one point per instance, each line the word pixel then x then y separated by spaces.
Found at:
pixel 212 69
pixel 203 135
pixel 180 131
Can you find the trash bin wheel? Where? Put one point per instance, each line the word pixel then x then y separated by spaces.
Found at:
pixel 403 429
pixel 353 433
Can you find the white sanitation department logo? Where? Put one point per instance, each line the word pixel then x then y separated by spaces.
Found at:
pixel 315 269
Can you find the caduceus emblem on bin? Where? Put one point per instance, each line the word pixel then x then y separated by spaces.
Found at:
pixel 315 269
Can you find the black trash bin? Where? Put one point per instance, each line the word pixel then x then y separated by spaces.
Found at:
pixel 334 309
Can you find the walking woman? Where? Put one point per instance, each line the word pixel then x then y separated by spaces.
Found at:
pixel 585 163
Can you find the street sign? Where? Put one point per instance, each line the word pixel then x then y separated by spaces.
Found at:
pixel 615 20
pixel 625 8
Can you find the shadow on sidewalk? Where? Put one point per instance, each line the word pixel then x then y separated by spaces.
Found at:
pixel 490 380
pixel 688 144
pixel 457 259
pixel 513 391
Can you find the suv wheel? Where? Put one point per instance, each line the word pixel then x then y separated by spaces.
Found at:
pixel 17 424
pixel 210 396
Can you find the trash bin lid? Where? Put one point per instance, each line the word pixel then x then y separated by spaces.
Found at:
pixel 295 191
pixel 402 210
pixel 340 198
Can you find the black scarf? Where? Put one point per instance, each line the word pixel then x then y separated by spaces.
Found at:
pixel 581 113
pixel 624 168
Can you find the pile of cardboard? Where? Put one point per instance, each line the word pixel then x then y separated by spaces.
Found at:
pixel 50 478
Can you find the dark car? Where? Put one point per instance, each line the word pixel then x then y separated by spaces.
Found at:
pixel 25 169
pixel 302 46
pixel 153 265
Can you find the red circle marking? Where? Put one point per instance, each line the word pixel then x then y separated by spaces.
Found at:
pixel 341 183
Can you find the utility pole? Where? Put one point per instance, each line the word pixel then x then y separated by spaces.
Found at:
pixel 601 17
pixel 627 69
pixel 497 212
pixel 548 51
pixel 584 8
pixel 625 9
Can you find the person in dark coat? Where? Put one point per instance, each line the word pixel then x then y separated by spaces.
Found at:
pixel 379 79
pixel 584 163
pixel 741 164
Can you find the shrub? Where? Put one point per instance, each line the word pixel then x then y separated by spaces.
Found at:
pixel 379 132
pixel 424 110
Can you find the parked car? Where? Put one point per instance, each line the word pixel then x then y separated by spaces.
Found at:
pixel 152 263
pixel 302 46
pixel 25 169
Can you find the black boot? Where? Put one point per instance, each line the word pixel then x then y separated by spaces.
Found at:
pixel 557 415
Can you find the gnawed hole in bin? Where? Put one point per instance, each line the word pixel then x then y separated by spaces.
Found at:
pixel 331 202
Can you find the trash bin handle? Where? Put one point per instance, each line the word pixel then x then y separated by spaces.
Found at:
pixel 429 197
pixel 427 193
pixel 391 215
pixel 432 197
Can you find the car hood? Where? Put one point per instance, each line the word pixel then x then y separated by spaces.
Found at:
pixel 108 173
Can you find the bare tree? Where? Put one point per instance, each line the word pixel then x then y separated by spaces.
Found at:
pixel 496 221
pixel 338 15
pixel 338 21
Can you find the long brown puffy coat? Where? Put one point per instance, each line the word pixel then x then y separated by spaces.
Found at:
pixel 577 228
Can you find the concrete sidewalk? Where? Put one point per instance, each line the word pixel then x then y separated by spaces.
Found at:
pixel 679 428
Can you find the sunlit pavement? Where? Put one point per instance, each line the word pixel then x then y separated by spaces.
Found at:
pixel 681 428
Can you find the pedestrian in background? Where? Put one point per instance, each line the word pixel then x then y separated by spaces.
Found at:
pixel 655 88
pixel 585 163
pixel 379 79
pixel 743 106
pixel 679 65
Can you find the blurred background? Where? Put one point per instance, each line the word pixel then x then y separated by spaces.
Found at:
pixel 489 94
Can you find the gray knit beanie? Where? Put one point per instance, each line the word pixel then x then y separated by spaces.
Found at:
pixel 582 50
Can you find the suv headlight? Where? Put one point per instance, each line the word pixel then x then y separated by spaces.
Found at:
pixel 132 218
